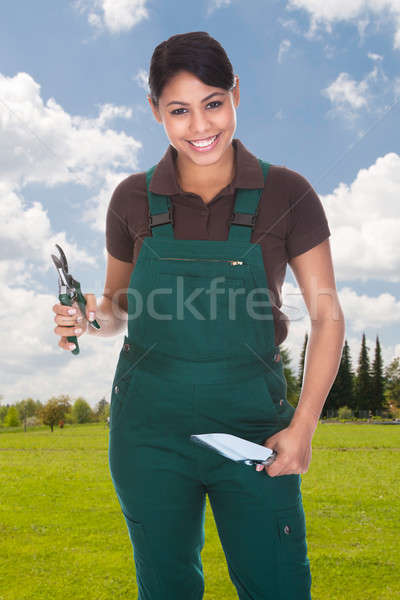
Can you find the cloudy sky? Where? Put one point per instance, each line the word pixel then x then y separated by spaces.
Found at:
pixel 320 94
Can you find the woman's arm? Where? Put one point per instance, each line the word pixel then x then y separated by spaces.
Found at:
pixel 314 273
pixel 111 311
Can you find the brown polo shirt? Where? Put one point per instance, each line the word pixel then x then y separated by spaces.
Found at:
pixel 291 217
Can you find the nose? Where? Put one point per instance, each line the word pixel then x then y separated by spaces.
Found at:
pixel 200 125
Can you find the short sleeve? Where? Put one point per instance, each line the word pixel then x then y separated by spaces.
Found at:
pixel 308 225
pixel 119 242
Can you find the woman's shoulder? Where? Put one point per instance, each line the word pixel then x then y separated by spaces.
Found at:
pixel 130 193
pixel 135 182
pixel 294 208
pixel 287 179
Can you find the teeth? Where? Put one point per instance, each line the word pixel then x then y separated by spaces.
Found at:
pixel 204 143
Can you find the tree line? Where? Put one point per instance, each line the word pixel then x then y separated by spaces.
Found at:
pixel 369 390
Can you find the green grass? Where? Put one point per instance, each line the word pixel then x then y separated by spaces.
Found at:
pixel 63 536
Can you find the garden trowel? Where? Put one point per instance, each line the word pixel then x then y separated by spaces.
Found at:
pixel 236 448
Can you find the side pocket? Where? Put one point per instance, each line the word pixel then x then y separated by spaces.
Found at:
pixel 125 375
pixel 146 576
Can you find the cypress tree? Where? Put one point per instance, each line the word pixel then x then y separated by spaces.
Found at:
pixel 377 382
pixel 363 380
pixel 341 392
pixel 302 362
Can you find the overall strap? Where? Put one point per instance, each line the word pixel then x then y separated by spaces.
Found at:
pixel 161 211
pixel 246 210
pixel 244 215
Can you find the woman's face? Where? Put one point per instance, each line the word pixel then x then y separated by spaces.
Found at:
pixel 188 114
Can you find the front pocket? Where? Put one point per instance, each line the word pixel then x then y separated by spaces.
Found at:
pixel 276 385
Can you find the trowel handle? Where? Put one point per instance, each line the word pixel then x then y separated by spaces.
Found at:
pixel 270 459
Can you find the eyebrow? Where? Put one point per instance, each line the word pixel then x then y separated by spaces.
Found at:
pixel 204 99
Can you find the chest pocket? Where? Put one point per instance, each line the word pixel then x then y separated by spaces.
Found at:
pixel 200 315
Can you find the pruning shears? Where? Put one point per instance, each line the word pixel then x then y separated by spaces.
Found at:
pixel 69 290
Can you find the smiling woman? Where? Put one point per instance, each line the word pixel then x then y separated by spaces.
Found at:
pixel 213 219
pixel 197 107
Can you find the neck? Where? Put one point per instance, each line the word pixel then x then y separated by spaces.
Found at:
pixel 194 177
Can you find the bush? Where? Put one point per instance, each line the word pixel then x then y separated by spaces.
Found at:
pixel 345 412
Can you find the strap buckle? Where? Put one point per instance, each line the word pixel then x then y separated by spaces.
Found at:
pixel 162 218
pixel 245 219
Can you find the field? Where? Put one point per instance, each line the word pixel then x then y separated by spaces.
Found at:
pixel 63 536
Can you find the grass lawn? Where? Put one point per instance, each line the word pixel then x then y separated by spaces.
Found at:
pixel 63 536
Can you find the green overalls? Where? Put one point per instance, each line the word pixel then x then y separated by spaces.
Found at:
pixel 192 364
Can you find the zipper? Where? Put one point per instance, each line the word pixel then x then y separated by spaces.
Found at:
pixel 232 262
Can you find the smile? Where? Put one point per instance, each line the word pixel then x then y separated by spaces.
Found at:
pixel 206 144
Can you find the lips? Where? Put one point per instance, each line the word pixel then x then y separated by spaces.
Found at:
pixel 210 137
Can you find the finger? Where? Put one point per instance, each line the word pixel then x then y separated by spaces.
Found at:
pixel 61 309
pixel 274 469
pixel 67 320
pixel 68 331
pixel 65 344
pixel 91 306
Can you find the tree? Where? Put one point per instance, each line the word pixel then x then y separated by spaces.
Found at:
pixel 392 378
pixel 342 390
pixel 291 381
pixel 302 363
pixel 101 410
pixel 82 411
pixel 378 402
pixel 363 380
pixel 3 412
pixel 54 410
pixel 26 408
pixel 12 417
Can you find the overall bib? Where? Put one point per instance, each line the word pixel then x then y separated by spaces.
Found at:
pixel 200 357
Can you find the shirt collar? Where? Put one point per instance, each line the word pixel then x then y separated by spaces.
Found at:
pixel 248 172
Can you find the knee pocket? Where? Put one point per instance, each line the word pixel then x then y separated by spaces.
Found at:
pixel 292 557
pixel 146 576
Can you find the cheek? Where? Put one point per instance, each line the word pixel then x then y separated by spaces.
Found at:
pixel 227 117
pixel 174 126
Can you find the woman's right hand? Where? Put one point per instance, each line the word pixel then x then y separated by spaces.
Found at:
pixel 67 323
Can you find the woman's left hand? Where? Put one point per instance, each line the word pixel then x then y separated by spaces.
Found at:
pixel 293 446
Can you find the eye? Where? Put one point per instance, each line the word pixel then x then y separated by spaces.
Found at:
pixel 175 112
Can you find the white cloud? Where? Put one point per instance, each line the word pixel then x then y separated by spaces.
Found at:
pixel 364 218
pixel 346 92
pixel 350 97
pixel 142 80
pixel 374 56
pixel 113 15
pixel 33 363
pixel 41 142
pixel 25 231
pixel 283 49
pixel 216 4
pixel 358 11
pixel 362 313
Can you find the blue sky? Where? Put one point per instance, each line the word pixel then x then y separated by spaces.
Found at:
pixel 320 94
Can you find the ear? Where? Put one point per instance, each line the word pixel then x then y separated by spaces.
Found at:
pixel 154 109
pixel 236 92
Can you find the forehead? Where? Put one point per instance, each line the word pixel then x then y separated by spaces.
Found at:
pixel 185 86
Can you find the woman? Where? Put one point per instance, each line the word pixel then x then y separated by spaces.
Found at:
pixel 197 248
